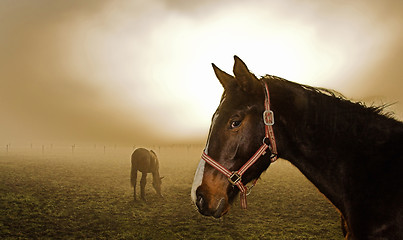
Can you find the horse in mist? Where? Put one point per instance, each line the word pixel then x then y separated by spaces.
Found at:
pixel 145 161
pixel 351 152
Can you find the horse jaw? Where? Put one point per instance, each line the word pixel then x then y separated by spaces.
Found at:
pixel 197 181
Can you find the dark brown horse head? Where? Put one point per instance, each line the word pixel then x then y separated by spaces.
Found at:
pixel 236 132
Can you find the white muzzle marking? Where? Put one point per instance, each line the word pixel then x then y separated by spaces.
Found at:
pixel 197 179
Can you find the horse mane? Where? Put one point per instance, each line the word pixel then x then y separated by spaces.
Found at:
pixel 337 96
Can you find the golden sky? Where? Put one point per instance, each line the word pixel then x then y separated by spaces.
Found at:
pixel 140 71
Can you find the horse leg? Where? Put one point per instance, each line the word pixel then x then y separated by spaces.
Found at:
pixel 133 179
pixel 143 182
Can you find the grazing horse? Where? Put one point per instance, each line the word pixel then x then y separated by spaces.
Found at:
pixel 145 161
pixel 350 152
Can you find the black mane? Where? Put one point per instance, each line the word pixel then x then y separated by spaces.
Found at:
pixel 338 97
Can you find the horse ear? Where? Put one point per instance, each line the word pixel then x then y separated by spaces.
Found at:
pixel 243 75
pixel 225 79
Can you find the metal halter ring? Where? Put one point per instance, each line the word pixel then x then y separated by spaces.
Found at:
pixel 267 142
pixel 249 190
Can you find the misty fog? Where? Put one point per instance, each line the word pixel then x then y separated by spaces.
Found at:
pixel 139 71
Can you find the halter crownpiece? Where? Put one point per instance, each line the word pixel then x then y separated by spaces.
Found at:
pixel 235 177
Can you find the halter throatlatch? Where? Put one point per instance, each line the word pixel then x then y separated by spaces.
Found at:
pixel 235 177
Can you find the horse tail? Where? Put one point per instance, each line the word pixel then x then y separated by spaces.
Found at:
pixel 133 173
pixel 132 177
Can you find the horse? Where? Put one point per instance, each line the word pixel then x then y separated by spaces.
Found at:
pixel 351 152
pixel 145 161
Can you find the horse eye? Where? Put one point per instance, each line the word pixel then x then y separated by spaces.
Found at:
pixel 235 124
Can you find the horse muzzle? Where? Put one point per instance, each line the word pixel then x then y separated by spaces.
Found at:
pixel 209 205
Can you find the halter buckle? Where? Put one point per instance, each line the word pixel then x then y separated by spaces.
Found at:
pixel 234 178
pixel 268 117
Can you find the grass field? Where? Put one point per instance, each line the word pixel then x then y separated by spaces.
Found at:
pixel 60 194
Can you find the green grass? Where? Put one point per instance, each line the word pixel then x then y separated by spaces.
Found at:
pixel 88 195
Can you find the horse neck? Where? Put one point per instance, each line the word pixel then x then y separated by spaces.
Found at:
pixel 325 137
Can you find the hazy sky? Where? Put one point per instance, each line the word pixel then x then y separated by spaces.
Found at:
pixel 140 71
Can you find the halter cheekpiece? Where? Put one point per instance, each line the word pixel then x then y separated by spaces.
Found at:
pixel 235 177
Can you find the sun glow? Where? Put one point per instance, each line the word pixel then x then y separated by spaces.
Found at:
pixel 173 82
pixel 186 78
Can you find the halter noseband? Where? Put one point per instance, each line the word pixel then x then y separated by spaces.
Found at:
pixel 235 177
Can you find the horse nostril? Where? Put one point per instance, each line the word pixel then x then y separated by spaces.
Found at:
pixel 199 201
